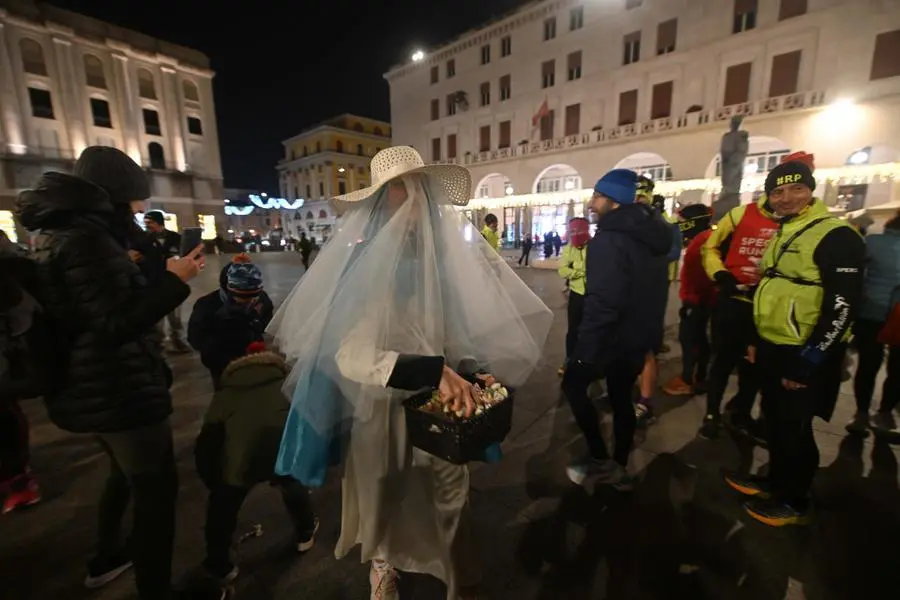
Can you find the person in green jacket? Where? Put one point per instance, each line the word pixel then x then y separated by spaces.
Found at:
pixel 572 269
pixel 236 450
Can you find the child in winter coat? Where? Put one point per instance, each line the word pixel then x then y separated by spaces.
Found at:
pixel 236 450
pixel 224 322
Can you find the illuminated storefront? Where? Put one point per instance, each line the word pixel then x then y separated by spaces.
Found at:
pixel 208 225
pixel 8 225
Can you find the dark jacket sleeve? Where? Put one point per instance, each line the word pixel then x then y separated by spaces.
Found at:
pixel 92 277
pixel 606 295
pixel 840 257
pixel 267 311
pixel 412 372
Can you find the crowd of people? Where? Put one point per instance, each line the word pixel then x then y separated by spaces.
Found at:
pixel 399 302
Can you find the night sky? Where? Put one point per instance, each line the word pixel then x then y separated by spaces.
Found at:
pixel 283 66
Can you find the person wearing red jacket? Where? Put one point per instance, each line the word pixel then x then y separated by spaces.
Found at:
pixel 698 296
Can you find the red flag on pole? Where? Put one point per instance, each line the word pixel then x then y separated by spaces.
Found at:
pixel 542 112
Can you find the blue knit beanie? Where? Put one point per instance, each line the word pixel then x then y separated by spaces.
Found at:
pixel 619 185
pixel 243 278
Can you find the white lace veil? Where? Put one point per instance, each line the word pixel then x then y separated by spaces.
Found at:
pixel 397 277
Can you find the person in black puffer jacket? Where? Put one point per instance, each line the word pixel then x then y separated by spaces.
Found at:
pixel 112 380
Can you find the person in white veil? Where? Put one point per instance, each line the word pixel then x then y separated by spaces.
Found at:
pixel 401 295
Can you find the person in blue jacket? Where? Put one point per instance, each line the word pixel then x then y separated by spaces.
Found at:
pixel 623 293
pixel 881 291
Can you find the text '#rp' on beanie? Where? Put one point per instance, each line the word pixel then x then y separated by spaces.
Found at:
pixel 619 185
pixel 114 171
pixel 790 173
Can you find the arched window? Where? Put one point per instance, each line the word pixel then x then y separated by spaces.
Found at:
pixel 377 131
pixel 32 57
pixel 358 127
pixel 339 146
pixel 359 149
pixel 157 156
pixel 146 86
pixel 309 215
pixel 93 72
pixel 323 214
pixel 190 91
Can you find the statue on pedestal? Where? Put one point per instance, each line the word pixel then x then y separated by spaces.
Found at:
pixel 732 154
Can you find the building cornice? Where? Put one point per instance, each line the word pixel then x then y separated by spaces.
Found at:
pixel 314 159
pixel 481 35
pixel 322 128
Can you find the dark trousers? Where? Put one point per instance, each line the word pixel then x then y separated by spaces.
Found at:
pixel 871 357
pixel 13 440
pixel 574 312
pixel 793 453
pixel 620 379
pixel 526 255
pixel 142 464
pixel 733 330
pixel 225 503
pixel 694 340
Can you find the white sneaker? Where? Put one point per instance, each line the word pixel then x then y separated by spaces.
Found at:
pixel 383 579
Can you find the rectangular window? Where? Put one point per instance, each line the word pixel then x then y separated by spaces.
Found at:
pixel 628 107
pixel 41 103
pixel 100 113
pixel 548 74
pixel 505 46
pixel 195 127
pixel 791 8
pixel 435 109
pixel 436 149
pixel 573 119
pixel 744 15
pixel 342 187
pixel 884 59
pixel 785 74
pixel 547 126
pixel 451 68
pixel 573 64
pixel 484 138
pixel 151 122
pixel 661 103
pixel 451 105
pixel 434 75
pixel 485 93
pixel 505 134
pixel 505 88
pixel 451 146
pixel 737 84
pixel 321 189
pixel 485 54
pixel 576 18
pixel 666 37
pixel 549 29
pixel 308 191
pixel 632 44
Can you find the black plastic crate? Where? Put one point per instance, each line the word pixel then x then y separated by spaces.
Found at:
pixel 457 441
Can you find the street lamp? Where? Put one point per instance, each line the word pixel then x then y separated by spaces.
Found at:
pixel 418 56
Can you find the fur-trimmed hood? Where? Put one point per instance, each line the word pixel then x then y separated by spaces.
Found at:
pixel 254 370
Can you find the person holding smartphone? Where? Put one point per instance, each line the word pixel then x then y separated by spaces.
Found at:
pixel 111 380
pixel 168 243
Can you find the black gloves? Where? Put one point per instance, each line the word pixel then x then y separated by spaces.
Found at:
pixel 728 283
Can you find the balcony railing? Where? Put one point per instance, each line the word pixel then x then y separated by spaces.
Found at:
pixel 39 152
pixel 803 100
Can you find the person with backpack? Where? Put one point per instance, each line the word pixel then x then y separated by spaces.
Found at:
pixel 18 376
pixel 111 381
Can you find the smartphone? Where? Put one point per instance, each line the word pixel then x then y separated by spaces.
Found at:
pixel 191 237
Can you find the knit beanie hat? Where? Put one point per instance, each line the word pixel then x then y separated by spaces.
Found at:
pixel 695 219
pixel 156 216
pixel 790 173
pixel 619 185
pixel 645 187
pixel 115 172
pixel 243 277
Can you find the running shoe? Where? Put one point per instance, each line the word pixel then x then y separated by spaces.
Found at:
pixel 776 513
pixel 755 486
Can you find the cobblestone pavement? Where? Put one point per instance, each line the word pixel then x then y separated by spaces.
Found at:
pixel 681 534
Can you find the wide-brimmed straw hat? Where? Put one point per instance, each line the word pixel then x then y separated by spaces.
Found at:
pixel 397 161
